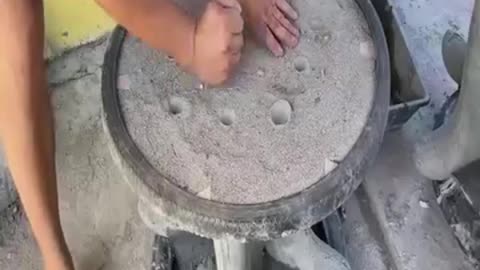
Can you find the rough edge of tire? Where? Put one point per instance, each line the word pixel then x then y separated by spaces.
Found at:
pixel 262 221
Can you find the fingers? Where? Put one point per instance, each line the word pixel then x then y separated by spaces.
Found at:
pixel 234 21
pixel 285 22
pixel 236 44
pixel 273 44
pixel 287 9
pixel 230 4
pixel 283 35
pixel 234 51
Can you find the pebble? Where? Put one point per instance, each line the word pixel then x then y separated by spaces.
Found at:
pixel 261 72
pixel 424 204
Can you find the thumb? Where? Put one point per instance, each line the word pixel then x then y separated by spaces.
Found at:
pixel 230 4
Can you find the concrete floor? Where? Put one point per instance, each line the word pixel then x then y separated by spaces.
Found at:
pixel 98 209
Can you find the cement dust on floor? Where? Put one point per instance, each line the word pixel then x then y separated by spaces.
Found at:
pixel 98 209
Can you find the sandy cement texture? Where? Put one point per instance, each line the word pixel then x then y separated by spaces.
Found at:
pixel 275 129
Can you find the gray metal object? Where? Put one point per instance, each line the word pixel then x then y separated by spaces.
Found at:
pixel 412 224
pixel 455 144
pixel 162 255
pixel 422 26
pixel 305 251
pixel 393 220
pixel 232 254
pixel 469 180
pixel 454 49
pixel 414 31
pixel 458 198
pixel 355 232
pixel 408 93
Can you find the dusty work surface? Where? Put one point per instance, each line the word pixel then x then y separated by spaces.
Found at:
pixel 275 129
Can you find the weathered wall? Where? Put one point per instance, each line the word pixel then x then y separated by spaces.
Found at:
pixel 70 23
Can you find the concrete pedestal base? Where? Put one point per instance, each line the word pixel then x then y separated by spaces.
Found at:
pixel 302 250
pixel 232 254
pixel 305 251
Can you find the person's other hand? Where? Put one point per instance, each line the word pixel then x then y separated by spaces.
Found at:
pixel 271 21
pixel 218 41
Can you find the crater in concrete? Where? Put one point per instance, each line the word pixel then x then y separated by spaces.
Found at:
pixel 301 64
pixel 175 105
pixel 227 117
pixel 268 133
pixel 281 112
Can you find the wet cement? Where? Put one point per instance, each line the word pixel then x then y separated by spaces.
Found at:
pixel 277 127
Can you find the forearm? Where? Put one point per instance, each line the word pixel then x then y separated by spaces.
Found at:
pixel 160 23
pixel 26 120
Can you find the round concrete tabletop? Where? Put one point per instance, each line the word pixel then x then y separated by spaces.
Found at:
pixel 276 148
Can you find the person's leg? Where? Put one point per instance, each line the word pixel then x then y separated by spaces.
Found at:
pixel 26 125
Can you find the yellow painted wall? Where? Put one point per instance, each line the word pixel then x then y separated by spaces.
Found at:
pixel 70 23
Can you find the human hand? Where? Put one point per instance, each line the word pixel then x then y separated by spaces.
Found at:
pixel 271 23
pixel 218 41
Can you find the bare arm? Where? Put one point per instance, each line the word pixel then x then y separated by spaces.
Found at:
pixel 26 127
pixel 160 23
pixel 26 124
pixel 209 47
